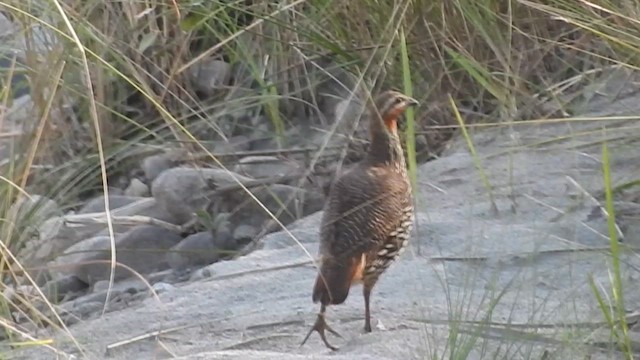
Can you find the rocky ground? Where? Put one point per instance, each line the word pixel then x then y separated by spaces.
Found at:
pixel 518 258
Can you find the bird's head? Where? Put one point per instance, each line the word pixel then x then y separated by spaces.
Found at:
pixel 390 105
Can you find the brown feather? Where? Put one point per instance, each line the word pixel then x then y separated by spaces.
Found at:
pixel 335 279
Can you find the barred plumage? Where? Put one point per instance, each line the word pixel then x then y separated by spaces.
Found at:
pixel 393 247
pixel 368 217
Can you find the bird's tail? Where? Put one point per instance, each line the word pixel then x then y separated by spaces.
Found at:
pixel 334 280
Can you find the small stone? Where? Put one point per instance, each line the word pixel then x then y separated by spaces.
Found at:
pixel 288 203
pixel 129 286
pixel 79 252
pixel 244 234
pixel 51 228
pixel 209 75
pixel 44 251
pixel 96 205
pixel 183 191
pixel 161 287
pixel 136 188
pixel 234 144
pixel 201 274
pixel 6 26
pixel 159 276
pixel 154 165
pixel 56 290
pixel 85 310
pixel 223 239
pixel 380 326
pixel 19 83
pixel 101 286
pixel 99 297
pixel 138 249
pixel 266 166
pixel 421 142
pixel 194 251
pixel 33 210
pixel 121 303
pixel 55 235
pixel 69 319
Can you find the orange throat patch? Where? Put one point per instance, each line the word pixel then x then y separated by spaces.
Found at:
pixel 391 120
pixel 392 124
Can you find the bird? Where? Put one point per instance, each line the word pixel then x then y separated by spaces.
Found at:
pixel 368 215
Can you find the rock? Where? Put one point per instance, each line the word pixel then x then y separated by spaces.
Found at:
pixel 92 304
pixel 96 205
pixel 56 290
pixel 154 165
pixel 297 203
pixel 160 287
pixel 85 309
pixel 140 206
pixel 243 100
pixel 13 47
pixel 142 249
pixel 136 188
pixel 210 75
pixel 223 239
pixel 233 145
pixel 115 191
pixel 130 286
pixel 160 276
pixel 20 113
pixel 79 252
pixel 59 233
pixel 266 166
pixel 243 234
pixel 12 293
pixel 123 301
pixel 183 191
pixel 28 215
pixel 203 248
pixel 41 39
pixel 54 236
pixel 19 82
pixel 6 26
pixel 201 274
pixel 99 296
pixel 32 211
pixel 194 251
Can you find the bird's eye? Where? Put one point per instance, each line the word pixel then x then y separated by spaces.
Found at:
pixel 398 100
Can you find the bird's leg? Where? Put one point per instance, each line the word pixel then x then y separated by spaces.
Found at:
pixel 320 326
pixel 367 313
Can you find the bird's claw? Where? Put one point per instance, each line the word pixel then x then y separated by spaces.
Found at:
pixel 320 326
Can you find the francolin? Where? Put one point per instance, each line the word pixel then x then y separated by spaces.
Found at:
pixel 368 216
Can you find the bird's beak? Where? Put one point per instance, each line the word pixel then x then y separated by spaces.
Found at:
pixel 412 102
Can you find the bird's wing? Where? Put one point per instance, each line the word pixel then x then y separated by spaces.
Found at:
pixel 363 209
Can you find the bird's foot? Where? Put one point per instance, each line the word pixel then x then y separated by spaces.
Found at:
pixel 320 326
